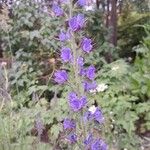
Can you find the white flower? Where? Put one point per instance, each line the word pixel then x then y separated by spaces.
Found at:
pixel 129 58
pixel 110 112
pixel 115 68
pixel 142 148
pixel 93 91
pixel 3 63
pixel 87 8
pixel 101 87
pixel 92 109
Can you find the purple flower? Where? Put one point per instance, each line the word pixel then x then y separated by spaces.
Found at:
pixel 76 103
pixel 84 2
pixel 72 138
pixel 83 101
pixel 80 61
pixel 69 124
pixel 90 72
pixel 89 85
pixel 86 45
pixel 98 116
pixel 104 146
pixel 66 55
pixel 82 71
pixel 64 36
pixel 81 2
pixel 98 145
pixel 61 76
pixel 89 139
pixel 64 1
pixel 76 22
pixel 72 95
pixel 57 10
pixel 39 126
pixel 86 116
pixel 94 113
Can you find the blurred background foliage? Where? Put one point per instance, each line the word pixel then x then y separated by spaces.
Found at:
pixel 32 107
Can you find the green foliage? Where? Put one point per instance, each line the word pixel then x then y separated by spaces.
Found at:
pixel 118 104
pixel 33 30
pixel 126 101
pixel 31 43
pixel 141 6
pixel 140 78
pixel 95 27
pixel 17 124
pixel 104 52
pixel 130 33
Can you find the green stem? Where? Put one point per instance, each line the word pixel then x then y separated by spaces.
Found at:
pixel 78 83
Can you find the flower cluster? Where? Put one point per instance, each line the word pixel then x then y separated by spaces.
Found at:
pixel 94 113
pixel 76 22
pixel 73 54
pixel 86 45
pixel 94 144
pixel 61 76
pixel 66 55
pixel 64 36
pixel 76 103
pixel 57 10
pixel 69 124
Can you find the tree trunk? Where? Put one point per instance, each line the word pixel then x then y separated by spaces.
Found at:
pixel 107 14
pixel 1 52
pixel 97 4
pixel 113 22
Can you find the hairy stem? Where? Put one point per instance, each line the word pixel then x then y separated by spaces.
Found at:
pixel 78 82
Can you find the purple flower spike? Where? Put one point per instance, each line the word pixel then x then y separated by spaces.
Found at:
pixel 64 36
pixel 72 138
pixel 57 10
pixel 69 124
pixel 99 145
pixel 81 2
pixel 76 22
pixel 90 72
pixel 66 55
pixel 86 45
pixel 61 76
pixel 76 103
